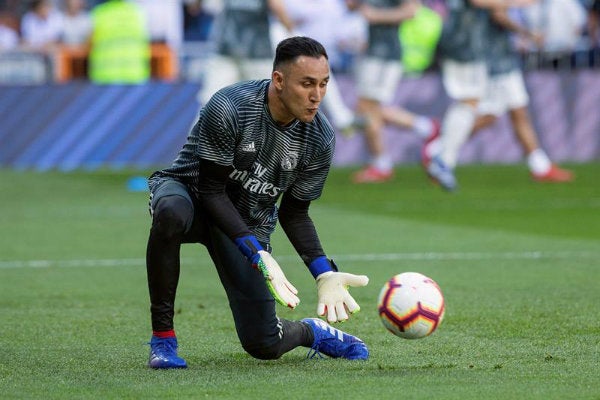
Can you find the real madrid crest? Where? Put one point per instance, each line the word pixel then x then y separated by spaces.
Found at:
pixel 289 161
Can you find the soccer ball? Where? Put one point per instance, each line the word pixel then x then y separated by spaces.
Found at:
pixel 411 305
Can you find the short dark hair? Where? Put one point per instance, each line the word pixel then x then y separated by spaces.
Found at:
pixel 291 48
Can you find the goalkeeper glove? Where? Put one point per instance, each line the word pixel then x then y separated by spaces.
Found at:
pixel 282 290
pixel 332 290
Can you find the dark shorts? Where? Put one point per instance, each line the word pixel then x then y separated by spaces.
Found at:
pixel 170 187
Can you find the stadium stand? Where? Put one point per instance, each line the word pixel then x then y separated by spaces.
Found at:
pixel 48 110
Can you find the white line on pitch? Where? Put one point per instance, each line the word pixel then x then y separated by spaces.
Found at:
pixel 432 256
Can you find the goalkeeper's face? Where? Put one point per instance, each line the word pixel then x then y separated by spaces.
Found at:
pixel 301 86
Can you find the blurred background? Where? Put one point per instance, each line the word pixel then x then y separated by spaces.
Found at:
pixel 63 106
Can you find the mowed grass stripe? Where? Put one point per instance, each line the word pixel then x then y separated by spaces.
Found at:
pixel 517 263
pixel 430 256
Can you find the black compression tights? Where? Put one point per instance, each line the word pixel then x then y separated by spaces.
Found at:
pixel 261 333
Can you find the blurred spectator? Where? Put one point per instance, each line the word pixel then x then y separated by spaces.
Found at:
pixel 41 26
pixel 561 23
pixel 594 24
pixel 77 23
pixel 15 8
pixel 439 6
pixel 120 46
pixel 9 33
pixel 93 3
pixel 198 17
pixel 164 21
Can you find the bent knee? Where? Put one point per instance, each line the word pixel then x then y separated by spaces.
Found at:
pixel 173 215
pixel 263 351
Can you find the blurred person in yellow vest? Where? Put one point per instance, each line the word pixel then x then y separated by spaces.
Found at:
pixel 120 44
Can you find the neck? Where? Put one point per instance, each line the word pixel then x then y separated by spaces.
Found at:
pixel 276 107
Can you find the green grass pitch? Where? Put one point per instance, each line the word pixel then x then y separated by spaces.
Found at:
pixel 518 263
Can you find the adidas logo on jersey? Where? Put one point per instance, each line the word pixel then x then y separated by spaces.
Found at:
pixel 249 148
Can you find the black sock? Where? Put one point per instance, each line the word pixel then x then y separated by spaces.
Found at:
pixel 296 333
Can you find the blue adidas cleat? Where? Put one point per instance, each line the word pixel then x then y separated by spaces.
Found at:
pixel 163 354
pixel 442 174
pixel 335 343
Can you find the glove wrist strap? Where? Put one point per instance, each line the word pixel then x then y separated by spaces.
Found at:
pixel 249 246
pixel 320 265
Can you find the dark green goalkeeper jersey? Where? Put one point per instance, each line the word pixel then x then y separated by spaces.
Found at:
pixel 465 32
pixel 242 30
pixel 501 56
pixel 236 129
pixel 383 40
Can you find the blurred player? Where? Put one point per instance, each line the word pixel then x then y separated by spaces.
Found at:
pixel 378 75
pixel 255 142
pixel 506 91
pixel 243 48
pixel 463 49
pixel 320 19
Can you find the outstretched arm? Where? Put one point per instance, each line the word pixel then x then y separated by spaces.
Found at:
pixel 502 3
pixel 500 16
pixel 212 195
pixel 277 8
pixel 334 300
pixel 300 229
pixel 390 16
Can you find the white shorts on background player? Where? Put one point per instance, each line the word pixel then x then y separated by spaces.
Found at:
pixel 378 79
pixel 222 71
pixel 464 81
pixel 504 92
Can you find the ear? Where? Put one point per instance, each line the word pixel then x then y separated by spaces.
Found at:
pixel 277 79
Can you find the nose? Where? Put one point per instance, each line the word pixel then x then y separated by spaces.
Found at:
pixel 317 94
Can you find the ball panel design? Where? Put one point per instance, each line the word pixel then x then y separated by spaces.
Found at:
pixel 411 305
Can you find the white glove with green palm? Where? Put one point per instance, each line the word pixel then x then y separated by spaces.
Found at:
pixel 334 300
pixel 282 290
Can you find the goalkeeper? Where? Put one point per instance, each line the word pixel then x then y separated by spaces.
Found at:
pixel 254 143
